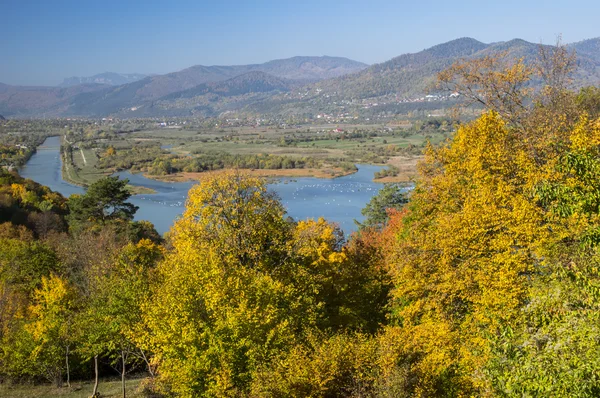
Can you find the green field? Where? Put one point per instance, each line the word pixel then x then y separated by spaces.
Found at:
pixel 109 388
pixel 84 172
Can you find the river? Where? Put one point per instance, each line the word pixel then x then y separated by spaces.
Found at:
pixel 339 199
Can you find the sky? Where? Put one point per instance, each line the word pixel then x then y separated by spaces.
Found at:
pixel 42 42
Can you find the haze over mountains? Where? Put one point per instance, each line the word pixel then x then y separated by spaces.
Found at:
pixel 108 78
pixel 294 85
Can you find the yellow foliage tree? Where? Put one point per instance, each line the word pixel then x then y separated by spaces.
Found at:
pixel 52 326
pixel 490 208
pixel 241 286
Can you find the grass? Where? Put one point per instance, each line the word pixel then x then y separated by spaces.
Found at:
pixel 107 388
pixel 86 172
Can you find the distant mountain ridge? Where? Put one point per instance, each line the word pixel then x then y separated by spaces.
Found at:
pixel 133 95
pixel 107 78
pixel 409 76
pixel 287 86
pixel 40 101
pixel 296 68
pixel 102 99
pixel 211 99
pixel 251 82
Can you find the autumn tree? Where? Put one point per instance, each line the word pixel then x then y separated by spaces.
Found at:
pixel 218 311
pixel 495 82
pixel 528 95
pixel 53 312
pixel 111 319
pixel 242 286
pixel 551 349
pixel 490 249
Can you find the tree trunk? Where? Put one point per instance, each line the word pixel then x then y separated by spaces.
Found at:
pixel 147 363
pixel 123 372
pixel 58 379
pixel 68 373
pixel 95 392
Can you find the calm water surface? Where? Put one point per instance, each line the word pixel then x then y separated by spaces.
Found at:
pixel 339 199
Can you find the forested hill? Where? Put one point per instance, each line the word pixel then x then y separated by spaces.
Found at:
pixel 410 75
pixel 207 99
pixel 297 68
pixel 251 82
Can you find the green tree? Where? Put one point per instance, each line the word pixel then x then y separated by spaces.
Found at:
pixel 119 291
pixel 391 196
pixel 23 267
pixel 588 100
pixel 104 201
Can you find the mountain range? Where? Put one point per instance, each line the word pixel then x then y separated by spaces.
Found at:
pixel 107 78
pixel 293 85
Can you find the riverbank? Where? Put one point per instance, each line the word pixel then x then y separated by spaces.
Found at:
pixel 85 172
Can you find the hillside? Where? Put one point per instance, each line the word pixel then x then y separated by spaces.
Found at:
pixel 405 75
pixel 251 82
pixel 210 99
pixel 588 60
pixel 101 100
pixel 40 101
pixel 107 78
pixel 296 68
pixel 410 75
pixel 400 84
pixel 589 48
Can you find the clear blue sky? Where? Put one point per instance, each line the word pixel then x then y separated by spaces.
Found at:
pixel 43 41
